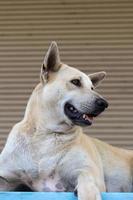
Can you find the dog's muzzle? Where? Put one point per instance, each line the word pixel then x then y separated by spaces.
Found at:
pixel 85 118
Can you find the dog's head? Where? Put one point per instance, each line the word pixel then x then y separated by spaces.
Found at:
pixel 68 94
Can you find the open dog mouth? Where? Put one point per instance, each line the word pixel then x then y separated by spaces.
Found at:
pixel 78 117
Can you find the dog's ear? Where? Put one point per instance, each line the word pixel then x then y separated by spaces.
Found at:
pixel 96 78
pixel 51 62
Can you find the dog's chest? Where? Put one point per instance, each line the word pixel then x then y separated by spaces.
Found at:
pixel 57 166
pixel 48 157
pixel 60 172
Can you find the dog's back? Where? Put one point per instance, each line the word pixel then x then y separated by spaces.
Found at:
pixel 118 166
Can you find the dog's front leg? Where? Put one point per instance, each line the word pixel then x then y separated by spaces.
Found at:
pixel 87 188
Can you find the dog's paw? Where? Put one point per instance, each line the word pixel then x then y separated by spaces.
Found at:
pixel 89 192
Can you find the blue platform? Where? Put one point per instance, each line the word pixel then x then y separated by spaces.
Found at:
pixel 58 196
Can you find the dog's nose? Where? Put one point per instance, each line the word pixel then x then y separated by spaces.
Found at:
pixel 102 103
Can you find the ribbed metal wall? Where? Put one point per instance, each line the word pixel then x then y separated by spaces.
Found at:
pixel 93 35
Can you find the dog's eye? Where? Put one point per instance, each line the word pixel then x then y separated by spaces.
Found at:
pixel 76 82
pixel 92 88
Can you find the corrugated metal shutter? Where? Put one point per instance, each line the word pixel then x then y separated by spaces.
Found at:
pixel 93 35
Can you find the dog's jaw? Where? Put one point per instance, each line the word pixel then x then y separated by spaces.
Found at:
pixel 77 117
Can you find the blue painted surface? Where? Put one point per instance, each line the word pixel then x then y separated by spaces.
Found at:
pixel 58 196
pixel 117 196
pixel 37 196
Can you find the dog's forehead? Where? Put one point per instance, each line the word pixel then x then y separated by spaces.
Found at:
pixel 67 73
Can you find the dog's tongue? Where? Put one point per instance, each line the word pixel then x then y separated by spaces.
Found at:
pixel 88 117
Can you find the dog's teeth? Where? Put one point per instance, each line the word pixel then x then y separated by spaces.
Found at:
pixel 84 116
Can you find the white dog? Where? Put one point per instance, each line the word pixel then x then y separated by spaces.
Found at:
pixel 48 150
